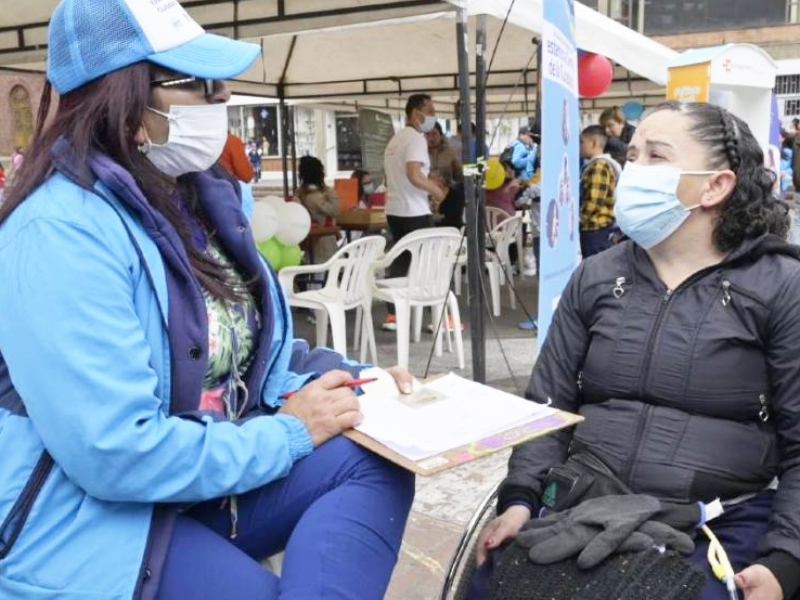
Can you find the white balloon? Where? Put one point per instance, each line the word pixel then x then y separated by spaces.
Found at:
pixel 294 223
pixel 264 222
pixel 275 202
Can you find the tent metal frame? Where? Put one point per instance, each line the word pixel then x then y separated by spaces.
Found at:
pixel 282 17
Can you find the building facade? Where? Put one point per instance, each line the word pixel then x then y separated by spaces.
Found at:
pixel 774 25
pixel 20 94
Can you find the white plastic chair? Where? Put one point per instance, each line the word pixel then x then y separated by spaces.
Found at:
pixel 348 285
pixel 498 263
pixel 433 252
pixel 495 216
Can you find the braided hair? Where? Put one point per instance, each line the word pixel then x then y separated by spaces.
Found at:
pixel 751 210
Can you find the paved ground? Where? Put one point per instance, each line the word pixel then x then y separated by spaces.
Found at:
pixel 445 502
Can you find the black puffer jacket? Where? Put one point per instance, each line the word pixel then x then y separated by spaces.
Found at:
pixel 688 394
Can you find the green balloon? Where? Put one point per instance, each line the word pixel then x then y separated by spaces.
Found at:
pixel 291 256
pixel 271 251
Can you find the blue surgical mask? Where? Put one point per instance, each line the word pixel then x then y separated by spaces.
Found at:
pixel 646 204
pixel 369 188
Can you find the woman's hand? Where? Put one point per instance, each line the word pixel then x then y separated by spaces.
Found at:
pixel 325 406
pixel 328 408
pixel 403 379
pixel 503 528
pixel 758 583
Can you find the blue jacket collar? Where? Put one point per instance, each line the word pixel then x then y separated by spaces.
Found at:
pixel 188 322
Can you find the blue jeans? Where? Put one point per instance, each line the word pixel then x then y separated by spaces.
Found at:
pixel 339 514
pixel 594 242
pixel 739 530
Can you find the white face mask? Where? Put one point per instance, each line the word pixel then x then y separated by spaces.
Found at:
pixel 428 124
pixel 197 135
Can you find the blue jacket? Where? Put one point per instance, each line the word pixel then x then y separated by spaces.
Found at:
pixel 523 159
pixel 103 336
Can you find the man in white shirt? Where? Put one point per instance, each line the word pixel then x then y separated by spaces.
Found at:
pixel 407 169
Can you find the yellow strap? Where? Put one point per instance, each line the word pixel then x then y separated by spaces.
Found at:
pixel 720 563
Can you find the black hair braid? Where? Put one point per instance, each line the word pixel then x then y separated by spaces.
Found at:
pixel 751 210
pixel 730 140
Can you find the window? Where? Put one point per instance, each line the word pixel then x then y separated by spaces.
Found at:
pixel 792 107
pixel 787 84
pixel 348 142
pixel 21 116
pixel 265 129
pixel 681 16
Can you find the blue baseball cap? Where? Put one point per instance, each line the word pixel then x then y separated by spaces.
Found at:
pixel 90 38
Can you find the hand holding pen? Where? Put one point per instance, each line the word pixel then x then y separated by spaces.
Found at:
pixel 328 406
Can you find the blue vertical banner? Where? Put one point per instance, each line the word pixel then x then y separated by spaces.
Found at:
pixel 561 132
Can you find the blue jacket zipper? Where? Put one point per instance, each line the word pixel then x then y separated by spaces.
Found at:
pixel 15 520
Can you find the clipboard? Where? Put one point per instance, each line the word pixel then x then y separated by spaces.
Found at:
pixel 458 456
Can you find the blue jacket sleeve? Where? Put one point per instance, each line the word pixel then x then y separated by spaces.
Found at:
pixel 77 353
pixel 520 157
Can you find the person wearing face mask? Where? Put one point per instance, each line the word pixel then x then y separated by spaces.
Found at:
pixel 408 183
pixel 679 347
pixel 146 350
pixel 366 186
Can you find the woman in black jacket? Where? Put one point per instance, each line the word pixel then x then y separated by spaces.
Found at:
pixel 681 347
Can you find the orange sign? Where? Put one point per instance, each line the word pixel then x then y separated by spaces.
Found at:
pixel 689 83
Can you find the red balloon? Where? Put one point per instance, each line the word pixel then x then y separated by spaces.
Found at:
pixel 594 74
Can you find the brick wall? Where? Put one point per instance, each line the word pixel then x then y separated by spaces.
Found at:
pixel 34 84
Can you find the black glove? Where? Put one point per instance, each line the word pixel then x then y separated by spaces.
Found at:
pixel 597 528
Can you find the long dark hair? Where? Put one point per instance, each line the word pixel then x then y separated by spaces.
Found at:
pixel 752 209
pixel 102 116
pixel 311 172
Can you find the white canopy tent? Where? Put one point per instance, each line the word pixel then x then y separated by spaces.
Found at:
pixel 376 51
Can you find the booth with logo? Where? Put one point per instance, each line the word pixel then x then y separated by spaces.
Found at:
pixel 738 77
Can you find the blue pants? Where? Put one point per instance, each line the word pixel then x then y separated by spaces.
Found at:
pixel 339 514
pixel 739 530
pixel 594 242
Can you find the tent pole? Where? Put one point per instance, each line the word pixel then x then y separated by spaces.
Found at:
pixel 480 84
pixel 284 135
pixel 525 89
pixel 481 78
pixel 293 138
pixel 538 43
pixel 474 258
pixel 284 118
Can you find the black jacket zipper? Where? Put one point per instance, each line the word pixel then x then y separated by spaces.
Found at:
pixel 647 366
pixel 648 355
pixel 668 295
pixel 18 515
pixel 728 286
pixel 625 475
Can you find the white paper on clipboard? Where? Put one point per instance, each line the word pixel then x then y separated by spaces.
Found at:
pixel 462 412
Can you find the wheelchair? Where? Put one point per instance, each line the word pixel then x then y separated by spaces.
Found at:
pixel 462 565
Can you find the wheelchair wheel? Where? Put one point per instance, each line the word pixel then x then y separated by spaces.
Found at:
pixel 462 565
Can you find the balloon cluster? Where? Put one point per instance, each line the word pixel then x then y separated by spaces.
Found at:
pixel 278 227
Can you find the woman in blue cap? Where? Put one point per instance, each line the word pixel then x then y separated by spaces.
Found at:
pixel 145 347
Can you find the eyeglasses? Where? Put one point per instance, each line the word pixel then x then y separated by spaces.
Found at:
pixel 194 84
